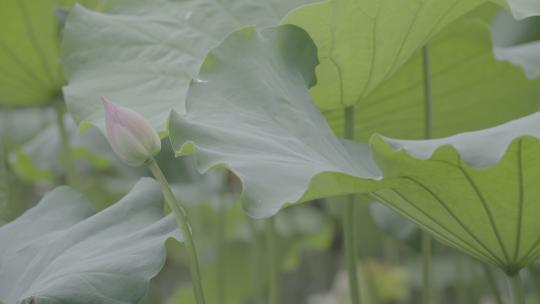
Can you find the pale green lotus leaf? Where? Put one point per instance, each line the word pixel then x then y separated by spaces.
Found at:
pixel 29 67
pixel 363 43
pixel 471 90
pixel 143 54
pixel 61 251
pixel 475 191
pixel 250 110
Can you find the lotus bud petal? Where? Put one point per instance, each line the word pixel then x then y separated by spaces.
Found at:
pixel 131 137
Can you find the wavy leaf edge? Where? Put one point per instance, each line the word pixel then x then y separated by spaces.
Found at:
pixel 190 148
pixel 463 144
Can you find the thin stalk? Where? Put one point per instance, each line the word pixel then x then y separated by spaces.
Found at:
pixel 460 283
pixel 428 96
pixel 67 157
pixel 535 278
pixel 426 267
pixel 348 223
pixel 5 146
pixel 515 285
pixel 428 128
pixel 185 227
pixel 220 242
pixel 367 275
pixel 257 254
pixel 4 186
pixel 492 282
pixel 273 264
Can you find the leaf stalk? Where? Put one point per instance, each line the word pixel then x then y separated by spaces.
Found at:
pixel 428 129
pixel 426 267
pixel 67 157
pixel 515 284
pixel 184 225
pixel 273 263
pixel 348 223
pixel 492 282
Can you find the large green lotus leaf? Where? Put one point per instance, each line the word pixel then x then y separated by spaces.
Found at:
pixel 250 110
pixel 143 54
pixel 518 42
pixel 476 191
pixel 466 80
pixel 61 251
pixel 363 42
pixel 29 69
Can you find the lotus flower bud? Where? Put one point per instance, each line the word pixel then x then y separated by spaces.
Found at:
pixel 131 137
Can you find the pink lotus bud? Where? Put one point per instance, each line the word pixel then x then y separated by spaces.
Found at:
pixel 131 137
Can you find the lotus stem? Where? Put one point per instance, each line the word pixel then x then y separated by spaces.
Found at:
pixel 492 282
pixel 428 130
pixel 4 178
pixel 257 254
pixel 372 290
pixel 4 188
pixel 535 278
pixel 348 222
pixel 184 225
pixel 426 267
pixel 428 96
pixel 273 263
pixel 461 286
pixel 221 249
pixel 67 157
pixel 517 295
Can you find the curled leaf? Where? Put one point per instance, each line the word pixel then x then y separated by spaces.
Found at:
pixel 137 48
pixel 252 112
pixel 61 251
pixel 476 191
pixel 518 42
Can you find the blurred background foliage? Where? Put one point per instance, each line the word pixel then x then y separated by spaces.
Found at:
pixel 42 148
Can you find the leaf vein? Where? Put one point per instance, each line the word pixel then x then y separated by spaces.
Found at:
pixel 455 218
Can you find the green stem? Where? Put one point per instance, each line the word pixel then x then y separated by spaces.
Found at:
pixel 273 264
pixel 4 187
pixel 350 249
pixel 535 278
pixel 373 292
pixel 5 146
pixel 428 127
pixel 460 282
pixel 426 268
pixel 348 130
pixel 492 282
pixel 348 222
pixel 220 274
pixel 428 96
pixel 185 227
pixel 67 157
pixel 515 285
pixel 257 254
